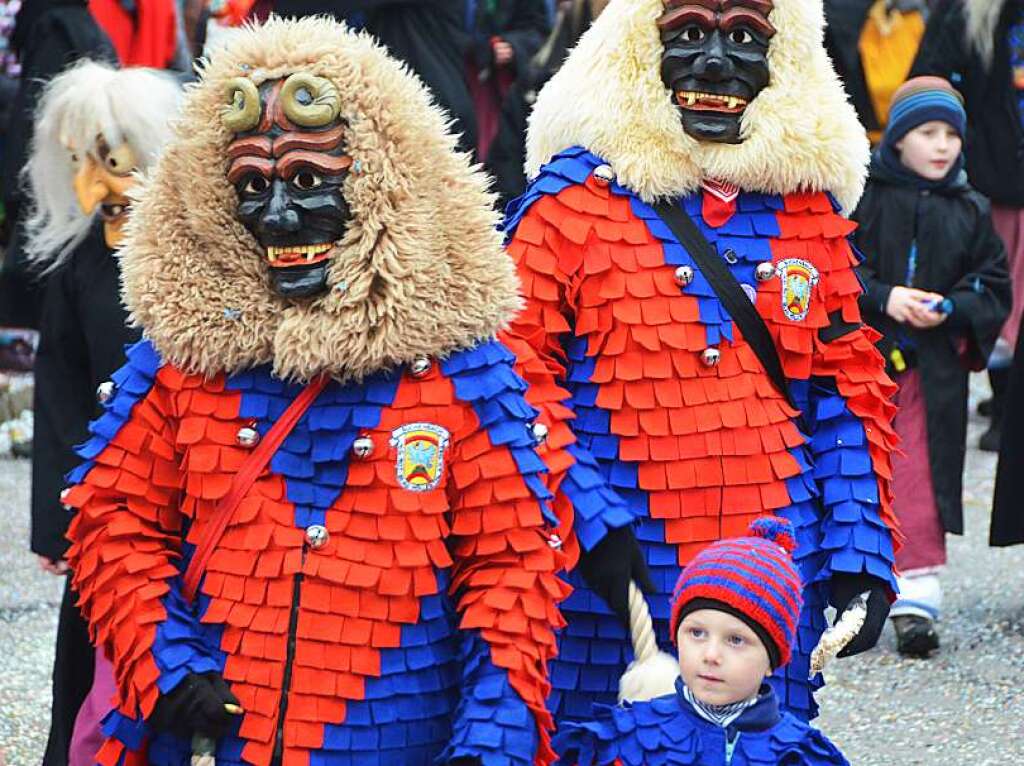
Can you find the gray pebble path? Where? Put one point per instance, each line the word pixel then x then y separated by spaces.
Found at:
pixel 963 707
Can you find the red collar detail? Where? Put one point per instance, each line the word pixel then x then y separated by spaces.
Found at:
pixel 719 202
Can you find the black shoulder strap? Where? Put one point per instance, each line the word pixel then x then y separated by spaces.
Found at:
pixel 728 290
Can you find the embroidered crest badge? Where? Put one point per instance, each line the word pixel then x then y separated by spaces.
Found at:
pixel 420 461
pixel 798 278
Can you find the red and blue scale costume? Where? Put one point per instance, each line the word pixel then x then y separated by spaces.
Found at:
pixel 420 630
pixel 695 452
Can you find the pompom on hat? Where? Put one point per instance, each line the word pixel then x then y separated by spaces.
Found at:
pixel 752 578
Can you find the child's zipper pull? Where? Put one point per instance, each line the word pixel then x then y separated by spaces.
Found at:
pixel 730 747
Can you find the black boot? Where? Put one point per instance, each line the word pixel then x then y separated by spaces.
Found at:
pixel 1000 380
pixel 915 635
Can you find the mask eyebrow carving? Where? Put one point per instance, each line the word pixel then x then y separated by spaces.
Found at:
pixel 242 166
pixel 677 17
pixel 718 13
pixel 738 16
pixel 325 163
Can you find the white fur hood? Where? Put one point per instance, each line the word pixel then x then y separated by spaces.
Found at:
pixel 800 133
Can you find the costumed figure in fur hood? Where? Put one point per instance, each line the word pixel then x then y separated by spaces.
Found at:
pixel 689 279
pixel 311 523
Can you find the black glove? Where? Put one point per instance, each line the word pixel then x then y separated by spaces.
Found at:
pixel 845 587
pixel 196 705
pixel 611 564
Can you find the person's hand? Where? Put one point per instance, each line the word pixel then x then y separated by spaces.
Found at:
pixel 845 587
pixel 196 705
pixel 58 568
pixel 503 52
pixel 609 566
pixel 908 305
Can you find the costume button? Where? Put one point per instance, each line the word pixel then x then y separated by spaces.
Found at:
pixel 710 356
pixel 730 256
pixel 540 433
pixel 764 271
pixel 105 391
pixel 554 541
pixel 684 275
pixel 363 447
pixel 420 366
pixel 603 175
pixel 247 436
pixel 750 291
pixel 317 536
pixel 63 498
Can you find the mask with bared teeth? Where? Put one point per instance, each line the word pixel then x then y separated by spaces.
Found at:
pixel 715 62
pixel 288 165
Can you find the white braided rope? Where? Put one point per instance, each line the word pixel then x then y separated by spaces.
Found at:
pixel 653 673
pixel 641 628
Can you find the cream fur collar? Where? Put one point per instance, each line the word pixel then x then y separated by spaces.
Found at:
pixel 801 133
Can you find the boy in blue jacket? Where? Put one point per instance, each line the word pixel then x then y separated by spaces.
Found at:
pixel 734 616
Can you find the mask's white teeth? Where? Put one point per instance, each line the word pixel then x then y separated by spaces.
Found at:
pixel 731 103
pixel 691 98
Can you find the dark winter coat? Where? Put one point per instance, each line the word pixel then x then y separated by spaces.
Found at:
pixel 48 36
pixel 1007 504
pixel 995 138
pixel 959 256
pixel 523 24
pixel 844 21
pixel 428 35
pixel 82 337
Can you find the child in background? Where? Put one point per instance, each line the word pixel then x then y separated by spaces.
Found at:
pixel 734 616
pixel 937 289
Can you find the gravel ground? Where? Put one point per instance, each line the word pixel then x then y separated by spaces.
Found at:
pixel 963 707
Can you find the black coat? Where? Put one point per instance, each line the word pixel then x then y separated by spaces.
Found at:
pixel 81 343
pixel 428 35
pixel 961 257
pixel 995 138
pixel 1007 505
pixel 48 36
pixel 844 21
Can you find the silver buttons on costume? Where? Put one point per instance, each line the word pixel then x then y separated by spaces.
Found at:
pixel 317 536
pixel 730 256
pixel 247 436
pixel 710 356
pixel 420 366
pixel 750 291
pixel 362 447
pixel 603 175
pixel 63 498
pixel 684 276
pixel 105 391
pixel 540 433
pixel 764 271
pixel 554 541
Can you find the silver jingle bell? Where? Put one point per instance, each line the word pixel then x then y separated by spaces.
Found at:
pixel 710 356
pixel 247 436
pixel 105 391
pixel 540 433
pixel 420 366
pixel 554 541
pixel 317 536
pixel 63 497
pixel 684 275
pixel 603 175
pixel 764 271
pixel 363 447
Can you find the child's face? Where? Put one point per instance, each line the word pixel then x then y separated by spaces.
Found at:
pixel 721 660
pixel 930 149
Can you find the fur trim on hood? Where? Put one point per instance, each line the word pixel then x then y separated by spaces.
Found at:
pixel 420 270
pixel 982 17
pixel 800 133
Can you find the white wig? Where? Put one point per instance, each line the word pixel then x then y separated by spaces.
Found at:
pixel 134 106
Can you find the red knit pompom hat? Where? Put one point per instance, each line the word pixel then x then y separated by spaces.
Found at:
pixel 752 578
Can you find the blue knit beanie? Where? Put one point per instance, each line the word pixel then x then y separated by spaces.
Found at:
pixel 923 99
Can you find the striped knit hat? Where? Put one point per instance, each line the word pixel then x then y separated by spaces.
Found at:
pixel 752 578
pixel 923 99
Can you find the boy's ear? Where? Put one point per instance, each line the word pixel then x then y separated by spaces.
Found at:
pixel 898 146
